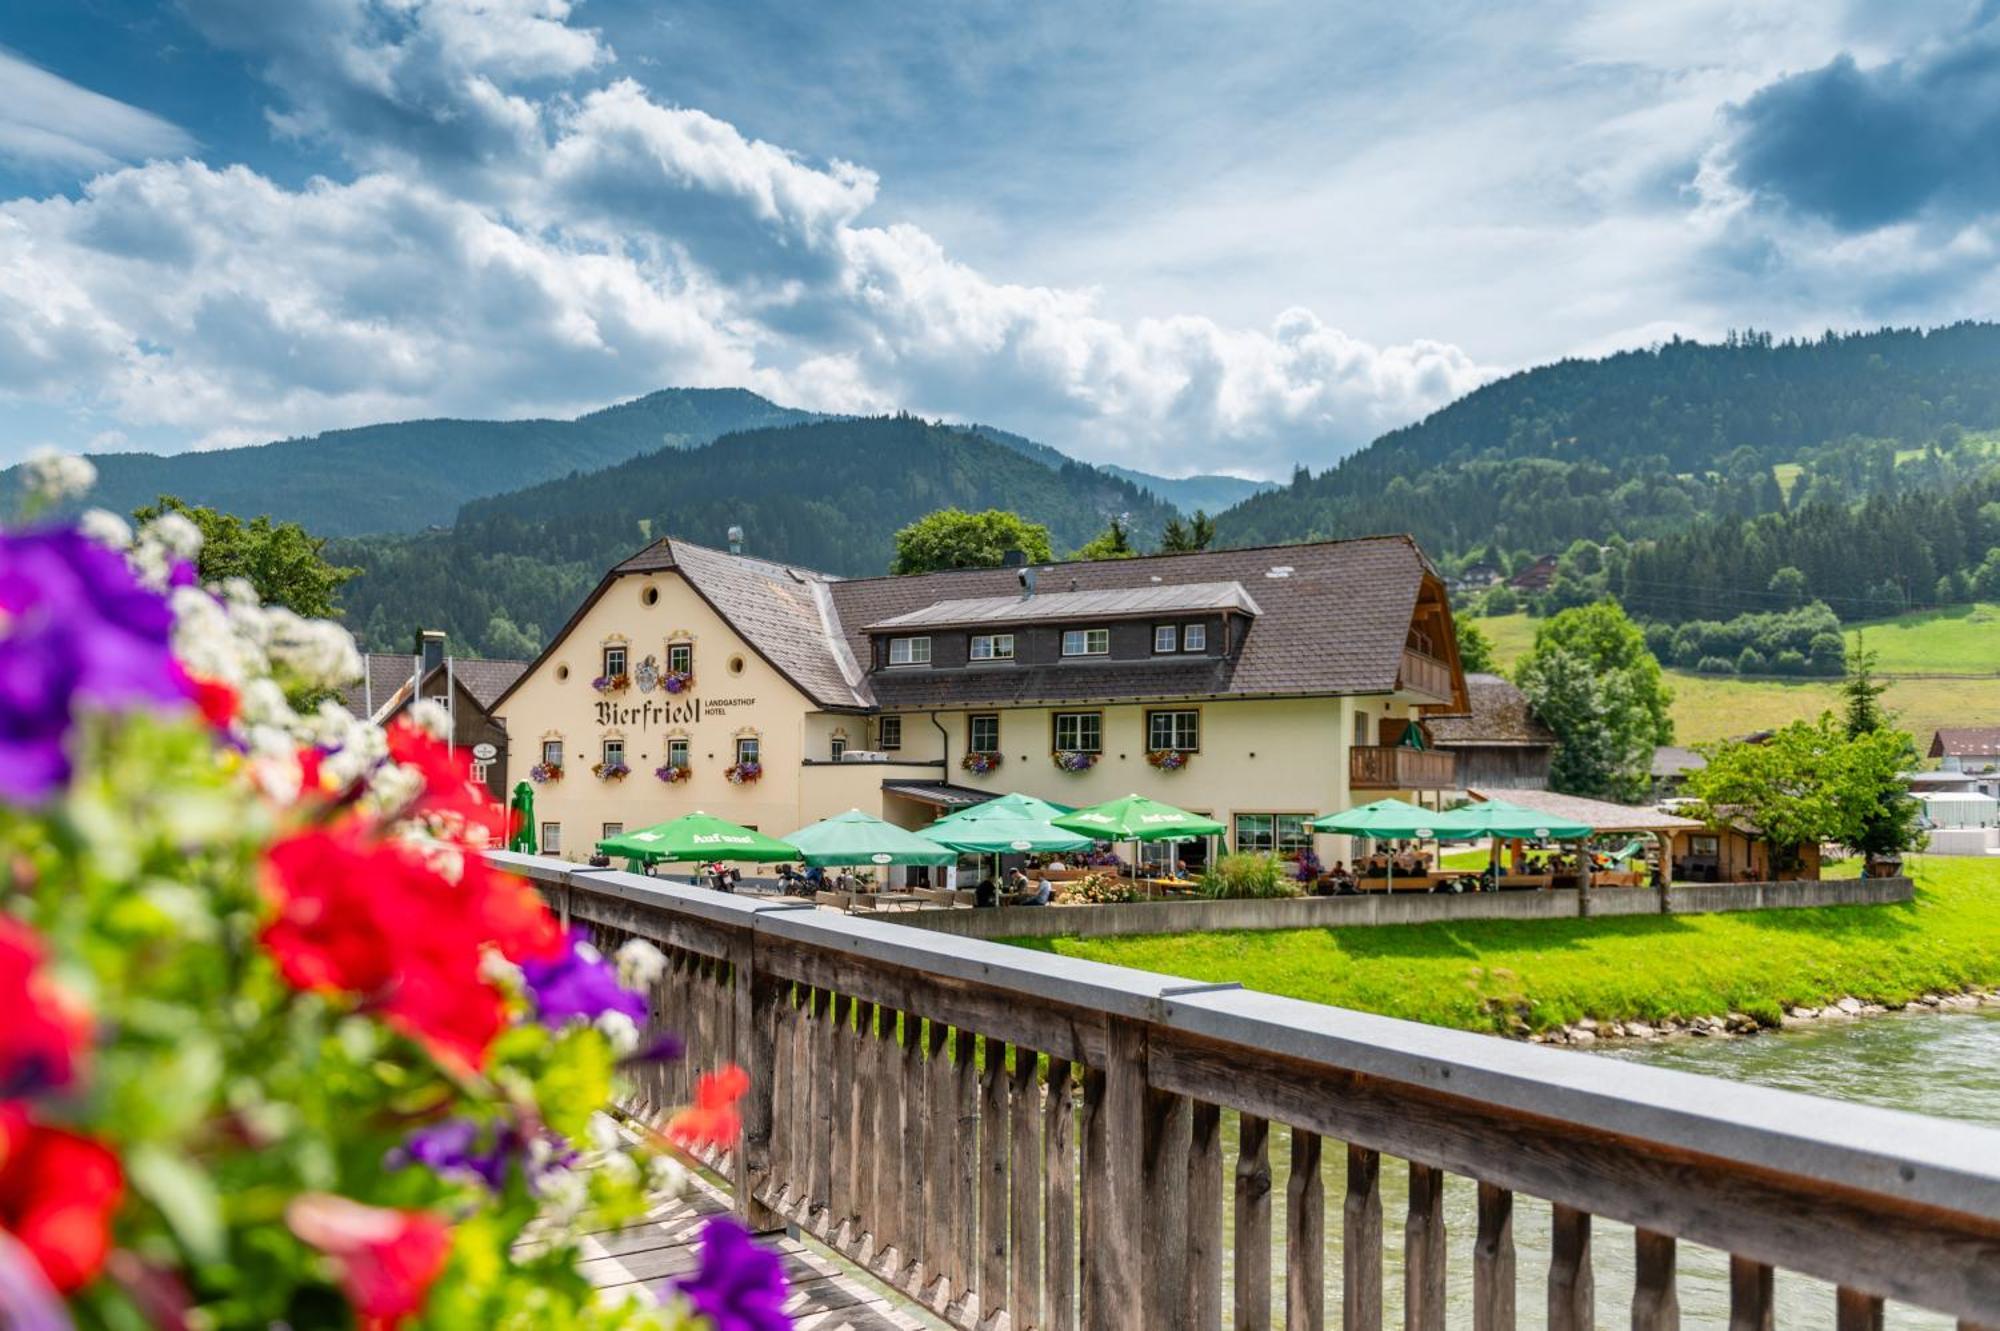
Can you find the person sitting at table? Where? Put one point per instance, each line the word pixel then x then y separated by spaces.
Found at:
pixel 1517 859
pixel 1055 864
pixel 1017 881
pixel 987 893
pixel 1040 895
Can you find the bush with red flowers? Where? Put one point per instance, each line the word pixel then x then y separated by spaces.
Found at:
pixel 278 1046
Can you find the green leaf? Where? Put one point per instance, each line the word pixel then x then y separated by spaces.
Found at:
pixel 184 1195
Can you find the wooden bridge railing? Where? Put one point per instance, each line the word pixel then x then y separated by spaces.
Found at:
pixel 1021 1140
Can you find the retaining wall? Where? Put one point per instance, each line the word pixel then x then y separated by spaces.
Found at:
pixel 1171 917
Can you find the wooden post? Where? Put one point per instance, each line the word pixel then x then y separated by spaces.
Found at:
pixel 1059 1227
pixel 757 998
pixel 1114 1106
pixel 840 1121
pixel 888 1141
pixel 1203 1286
pixel 1656 1302
pixel 820 1073
pixel 1750 1303
pixel 1361 1242
pixel 1572 1291
pixel 1305 1236
pixel 994 1129
pixel 1493 1277
pixel 1024 1187
pixel 965 1163
pixel 913 1244
pixel 1423 1251
pixel 861 1153
pixel 1163 1180
pixel 1253 1224
pixel 942 1201
pixel 1855 1311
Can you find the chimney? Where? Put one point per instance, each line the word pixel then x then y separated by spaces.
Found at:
pixel 1014 559
pixel 430 649
pixel 735 540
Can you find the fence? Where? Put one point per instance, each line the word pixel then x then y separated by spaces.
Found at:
pixel 1024 1141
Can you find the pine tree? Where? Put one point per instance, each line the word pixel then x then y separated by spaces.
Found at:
pixel 1863 692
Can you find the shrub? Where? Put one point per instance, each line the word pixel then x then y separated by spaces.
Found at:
pixel 1789 662
pixel 1716 665
pixel 1097 889
pixel 1749 661
pixel 1501 601
pixel 1248 876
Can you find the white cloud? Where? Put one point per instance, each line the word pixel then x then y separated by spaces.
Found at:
pixel 513 244
pixel 47 121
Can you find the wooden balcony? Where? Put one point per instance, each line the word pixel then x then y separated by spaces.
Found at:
pixel 942 1109
pixel 1426 675
pixel 1398 767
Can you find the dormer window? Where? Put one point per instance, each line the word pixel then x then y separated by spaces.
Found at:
pixel 1086 642
pixel 992 647
pixel 909 651
pixel 1194 638
pixel 1166 638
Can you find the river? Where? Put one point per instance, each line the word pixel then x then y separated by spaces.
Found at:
pixel 1945 1063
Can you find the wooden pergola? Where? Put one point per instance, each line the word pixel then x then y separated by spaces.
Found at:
pixel 1603 817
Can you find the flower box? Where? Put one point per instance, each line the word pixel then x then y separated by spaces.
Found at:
pixel 1169 760
pixel 743 774
pixel 673 773
pixel 979 763
pixel 610 771
pixel 545 773
pixel 611 683
pixel 677 681
pixel 1074 760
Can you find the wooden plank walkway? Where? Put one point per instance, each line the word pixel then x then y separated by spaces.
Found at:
pixel 828 1293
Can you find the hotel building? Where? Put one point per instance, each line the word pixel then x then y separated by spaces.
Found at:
pixel 1259 687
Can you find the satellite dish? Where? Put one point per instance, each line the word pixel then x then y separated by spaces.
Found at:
pixel 882 857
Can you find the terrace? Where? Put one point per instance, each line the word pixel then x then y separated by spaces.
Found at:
pixel 1018 1140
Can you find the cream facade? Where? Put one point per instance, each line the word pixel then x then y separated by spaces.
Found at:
pixel 1260 764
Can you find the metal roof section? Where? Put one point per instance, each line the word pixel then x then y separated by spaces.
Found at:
pixel 1111 603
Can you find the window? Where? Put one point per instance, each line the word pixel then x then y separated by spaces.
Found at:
pixel 680 658
pixel 614 661
pixel 612 830
pixel 677 753
pixel 992 646
pixel 1273 833
pixel 909 651
pixel 889 732
pixel 551 838
pixel 479 772
pixel 1174 730
pixel 1086 642
pixel 1166 638
pixel 614 753
pixel 1079 732
pixel 838 747
pixel 552 753
pixel 747 749
pixel 1194 637
pixel 982 732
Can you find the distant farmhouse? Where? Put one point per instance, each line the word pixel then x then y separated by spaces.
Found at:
pixel 466 687
pixel 1500 743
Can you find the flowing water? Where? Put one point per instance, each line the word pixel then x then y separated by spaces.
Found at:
pixel 1944 1064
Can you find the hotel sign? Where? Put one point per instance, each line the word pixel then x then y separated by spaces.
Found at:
pixel 651 712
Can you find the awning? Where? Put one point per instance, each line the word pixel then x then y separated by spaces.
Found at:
pixel 937 794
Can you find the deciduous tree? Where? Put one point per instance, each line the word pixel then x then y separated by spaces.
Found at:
pixel 283 561
pixel 954 538
pixel 1591 679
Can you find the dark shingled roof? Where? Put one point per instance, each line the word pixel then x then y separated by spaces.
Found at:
pixel 1044 607
pixel 1966 742
pixel 1499 716
pixel 389 674
pixel 1335 616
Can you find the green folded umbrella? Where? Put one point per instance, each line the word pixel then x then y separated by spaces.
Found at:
pixel 1136 818
pixel 1009 806
pixel 857 838
pixel 698 836
pixel 1386 820
pixel 523 805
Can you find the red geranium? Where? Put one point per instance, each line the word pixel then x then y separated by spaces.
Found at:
pixel 372 917
pixel 46 1030
pixel 57 1193
pixel 450 795
pixel 712 1119
pixel 388 1259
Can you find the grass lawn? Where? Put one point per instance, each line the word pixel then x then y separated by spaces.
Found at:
pixel 1957 640
pixel 1505 975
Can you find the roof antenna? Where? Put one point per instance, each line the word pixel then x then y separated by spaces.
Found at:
pixel 735 540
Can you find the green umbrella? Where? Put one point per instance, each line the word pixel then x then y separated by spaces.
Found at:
pixel 1136 818
pixel 1388 819
pixel 1498 818
pixel 857 838
pixel 1002 833
pixel 523 805
pixel 1010 806
pixel 697 836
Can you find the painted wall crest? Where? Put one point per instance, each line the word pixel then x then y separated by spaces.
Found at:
pixel 647 676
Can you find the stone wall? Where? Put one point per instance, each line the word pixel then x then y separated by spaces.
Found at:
pixel 1171 917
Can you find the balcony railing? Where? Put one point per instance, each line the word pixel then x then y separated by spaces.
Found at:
pixel 946 1111
pixel 1399 767
pixel 1426 675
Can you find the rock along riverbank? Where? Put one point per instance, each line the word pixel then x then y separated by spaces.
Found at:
pixel 1736 1025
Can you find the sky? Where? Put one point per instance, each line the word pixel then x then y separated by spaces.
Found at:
pixel 1225 235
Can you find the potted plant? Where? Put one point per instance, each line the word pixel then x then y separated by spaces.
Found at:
pixel 611 683
pixel 677 681
pixel 979 763
pixel 545 773
pixel 610 771
pixel 743 774
pixel 1168 760
pixel 1074 760
pixel 673 773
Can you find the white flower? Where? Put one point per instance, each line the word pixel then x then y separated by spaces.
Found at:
pixel 666 1175
pixel 262 702
pixel 316 652
pixel 565 1195
pixel 605 1134
pixel 106 528
pixel 53 477
pixel 392 786
pixel 174 533
pixel 620 1168
pixel 430 717
pixel 621 1031
pixel 640 965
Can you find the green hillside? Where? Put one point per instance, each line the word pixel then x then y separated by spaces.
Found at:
pixel 828 495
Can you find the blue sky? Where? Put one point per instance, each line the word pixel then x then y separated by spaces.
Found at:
pixel 1182 236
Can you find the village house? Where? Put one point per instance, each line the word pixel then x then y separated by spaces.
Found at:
pixel 1498 741
pixel 1260 687
pixel 466 687
pixel 1967 748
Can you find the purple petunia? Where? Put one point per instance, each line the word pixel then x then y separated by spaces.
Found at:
pixel 453 1147
pixel 579 983
pixel 77 628
pixel 739 1286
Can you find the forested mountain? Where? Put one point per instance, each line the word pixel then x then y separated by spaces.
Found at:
pixel 1207 493
pixel 828 494
pixel 1641 443
pixel 413 474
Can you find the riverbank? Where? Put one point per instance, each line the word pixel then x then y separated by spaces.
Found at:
pixel 1524 978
